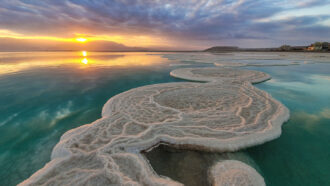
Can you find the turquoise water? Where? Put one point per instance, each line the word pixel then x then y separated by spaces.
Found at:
pixel 42 95
pixel 55 92
pixel 301 156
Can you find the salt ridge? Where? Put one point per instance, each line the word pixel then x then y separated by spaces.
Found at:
pixel 225 114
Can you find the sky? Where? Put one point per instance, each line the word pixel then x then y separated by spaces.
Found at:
pixel 160 24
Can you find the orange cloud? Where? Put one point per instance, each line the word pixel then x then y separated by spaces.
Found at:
pixel 127 40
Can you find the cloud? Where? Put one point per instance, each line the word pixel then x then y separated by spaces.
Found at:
pixel 197 21
pixel 311 3
pixel 10 44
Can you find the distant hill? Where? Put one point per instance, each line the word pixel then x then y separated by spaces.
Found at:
pixel 315 47
pixel 222 49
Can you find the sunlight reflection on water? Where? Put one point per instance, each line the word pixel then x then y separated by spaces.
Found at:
pixel 14 62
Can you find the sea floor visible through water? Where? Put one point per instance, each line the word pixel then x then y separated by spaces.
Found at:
pixel 43 95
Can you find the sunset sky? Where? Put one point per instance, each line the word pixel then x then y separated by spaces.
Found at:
pixel 160 24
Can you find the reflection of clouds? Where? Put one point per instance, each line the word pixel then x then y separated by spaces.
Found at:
pixel 311 119
pixel 317 82
pixel 325 113
pixel 61 113
pixel 8 119
pixel 324 77
pixel 51 117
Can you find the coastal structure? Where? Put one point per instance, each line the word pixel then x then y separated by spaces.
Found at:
pixel 319 46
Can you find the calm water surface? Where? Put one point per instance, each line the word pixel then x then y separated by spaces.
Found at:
pixel 42 95
pixel 301 156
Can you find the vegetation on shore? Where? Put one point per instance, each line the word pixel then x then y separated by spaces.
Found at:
pixel 315 47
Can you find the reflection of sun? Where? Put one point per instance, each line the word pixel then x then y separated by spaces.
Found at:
pixel 84 53
pixel 80 39
pixel 85 61
pixel 35 60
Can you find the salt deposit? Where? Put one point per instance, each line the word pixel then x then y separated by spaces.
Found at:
pixel 226 114
pixel 231 172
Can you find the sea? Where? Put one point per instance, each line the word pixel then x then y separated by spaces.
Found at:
pixel 45 94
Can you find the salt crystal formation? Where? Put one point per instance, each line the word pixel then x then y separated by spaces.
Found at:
pixel 225 114
pixel 251 58
pixel 226 75
pixel 228 64
pixel 232 172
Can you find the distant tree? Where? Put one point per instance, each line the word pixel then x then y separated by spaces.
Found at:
pixel 317 43
pixel 285 47
pixel 325 45
pixel 318 46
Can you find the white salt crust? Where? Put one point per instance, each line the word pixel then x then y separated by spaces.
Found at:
pixel 226 114
pixel 232 172
pixel 239 59
pixel 217 74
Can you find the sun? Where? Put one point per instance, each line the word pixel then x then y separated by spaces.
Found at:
pixel 81 39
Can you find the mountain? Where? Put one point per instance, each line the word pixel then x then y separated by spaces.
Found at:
pixel 222 49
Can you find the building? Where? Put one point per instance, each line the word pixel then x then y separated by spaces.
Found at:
pixel 325 46
pixel 311 48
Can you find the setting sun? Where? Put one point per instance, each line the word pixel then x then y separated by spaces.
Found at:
pixel 81 39
pixel 84 53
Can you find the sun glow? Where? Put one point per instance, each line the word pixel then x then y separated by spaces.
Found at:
pixel 128 40
pixel 81 39
pixel 84 53
pixel 85 61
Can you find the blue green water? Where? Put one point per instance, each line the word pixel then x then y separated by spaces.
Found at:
pixel 301 156
pixel 42 101
pixel 42 95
